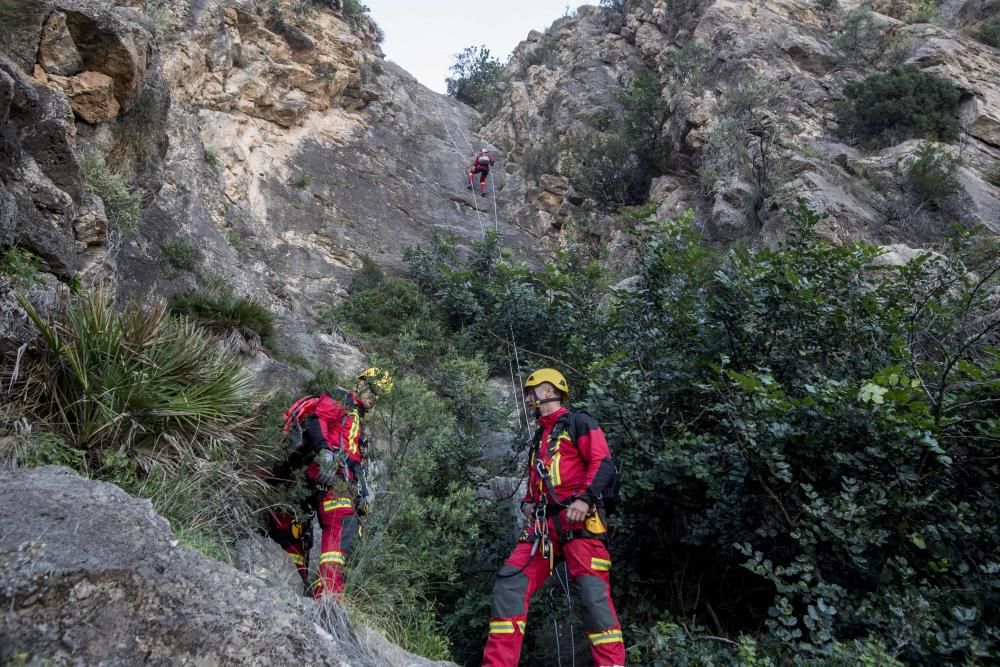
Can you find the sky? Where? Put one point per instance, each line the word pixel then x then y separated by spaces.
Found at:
pixel 423 36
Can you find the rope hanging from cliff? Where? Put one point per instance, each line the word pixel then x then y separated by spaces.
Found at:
pixel 475 204
pixel 523 419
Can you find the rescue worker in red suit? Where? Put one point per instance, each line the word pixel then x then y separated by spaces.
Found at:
pixel 335 433
pixel 481 164
pixel 570 467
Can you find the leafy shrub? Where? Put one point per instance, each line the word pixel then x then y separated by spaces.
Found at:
pixel 988 32
pixel 370 276
pixel 827 5
pixel 136 382
pixel 860 40
pixel 614 6
pixel 931 170
pixel 615 167
pixel 381 310
pixel 606 169
pixel 303 180
pixel 744 138
pixel 355 12
pixel 903 103
pixel 925 11
pixel 544 53
pixel 211 159
pixel 540 159
pixel 122 203
pixel 245 323
pixel 806 437
pixel 477 79
pixel 21 266
pixel 179 254
pixel 689 65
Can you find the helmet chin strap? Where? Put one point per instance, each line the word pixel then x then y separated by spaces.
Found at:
pixel 538 403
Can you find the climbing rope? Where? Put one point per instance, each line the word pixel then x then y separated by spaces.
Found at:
pixel 522 411
pixel 569 606
pixel 561 575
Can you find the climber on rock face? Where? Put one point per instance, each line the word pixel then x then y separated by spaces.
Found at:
pixel 570 473
pixel 481 164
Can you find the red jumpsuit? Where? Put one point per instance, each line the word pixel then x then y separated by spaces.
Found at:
pixel 482 169
pixel 576 471
pixel 338 427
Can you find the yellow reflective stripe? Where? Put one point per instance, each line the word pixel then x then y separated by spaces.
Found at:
pixel 332 557
pixel 606 637
pixel 501 628
pixel 337 504
pixel 520 626
pixel 297 559
pixel 352 435
pixel 554 471
pixel 600 564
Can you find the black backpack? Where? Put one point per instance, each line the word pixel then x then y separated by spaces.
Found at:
pixel 610 498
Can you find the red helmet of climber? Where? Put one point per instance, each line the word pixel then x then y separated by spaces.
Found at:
pixel 569 469
pixel 481 163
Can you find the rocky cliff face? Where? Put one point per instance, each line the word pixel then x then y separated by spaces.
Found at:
pixel 569 81
pixel 90 575
pixel 267 140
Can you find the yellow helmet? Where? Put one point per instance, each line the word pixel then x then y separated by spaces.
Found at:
pixel 550 375
pixel 379 380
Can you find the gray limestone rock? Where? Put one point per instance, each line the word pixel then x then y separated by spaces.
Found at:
pixel 90 575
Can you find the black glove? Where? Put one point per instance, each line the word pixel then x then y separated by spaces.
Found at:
pixel 361 504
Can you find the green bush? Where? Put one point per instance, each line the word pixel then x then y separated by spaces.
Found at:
pixel 22 267
pixel 605 168
pixel 477 79
pixel 140 132
pixel 223 312
pixel 860 38
pixel 805 435
pixel 925 11
pixel 931 171
pixel 616 160
pixel 303 180
pixel 744 139
pixel 540 159
pixel 689 65
pixel 988 32
pixel 211 159
pixel 122 203
pixel 903 103
pixel 383 311
pixel 179 254
pixel 136 382
pixel 370 276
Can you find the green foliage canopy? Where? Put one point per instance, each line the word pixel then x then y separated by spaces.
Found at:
pixel 477 78
pixel 903 103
